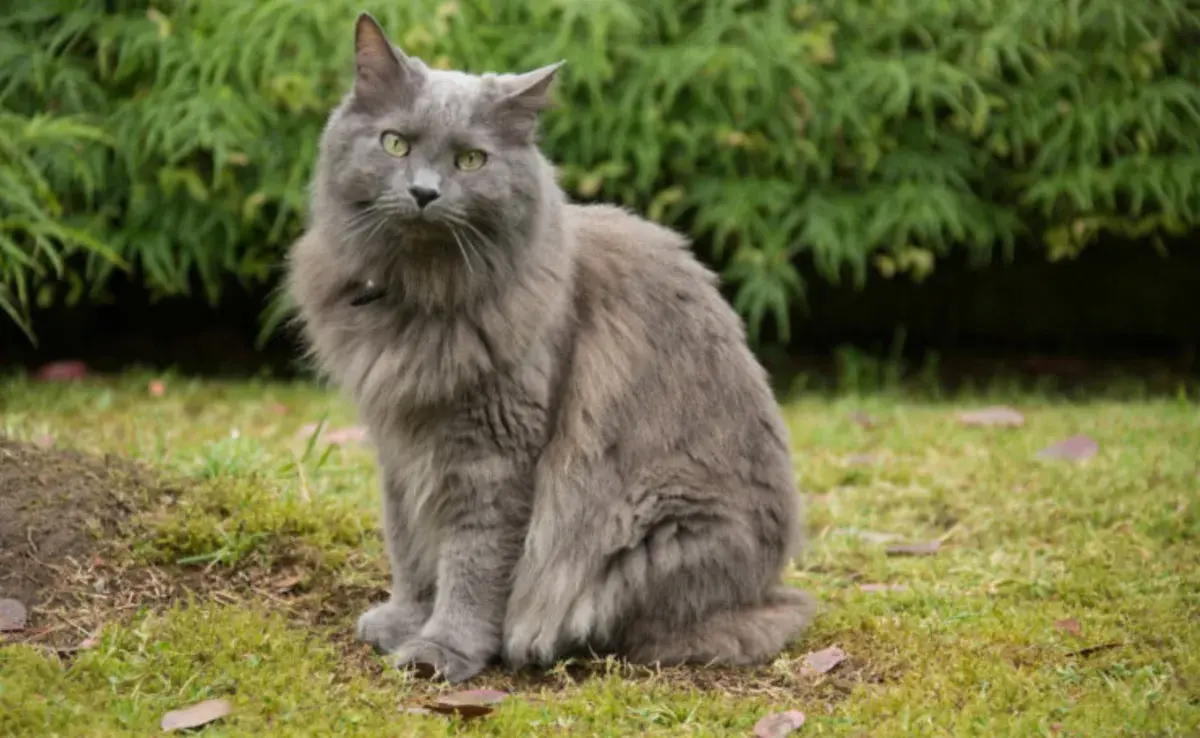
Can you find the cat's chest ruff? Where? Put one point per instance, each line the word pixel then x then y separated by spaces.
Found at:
pixel 393 360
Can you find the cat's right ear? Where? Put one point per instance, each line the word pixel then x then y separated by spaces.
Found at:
pixel 381 71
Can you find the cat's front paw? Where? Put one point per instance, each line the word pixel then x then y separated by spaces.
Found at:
pixel 389 625
pixel 528 643
pixel 430 659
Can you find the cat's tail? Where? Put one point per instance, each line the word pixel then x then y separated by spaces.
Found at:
pixel 742 637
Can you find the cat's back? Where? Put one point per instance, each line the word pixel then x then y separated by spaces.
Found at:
pixel 657 348
pixel 640 273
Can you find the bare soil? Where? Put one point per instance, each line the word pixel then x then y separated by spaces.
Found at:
pixel 68 522
pixel 56 508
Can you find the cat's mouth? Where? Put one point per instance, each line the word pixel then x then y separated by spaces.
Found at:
pixel 366 293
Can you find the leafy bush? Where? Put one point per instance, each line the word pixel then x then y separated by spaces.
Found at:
pixel 176 138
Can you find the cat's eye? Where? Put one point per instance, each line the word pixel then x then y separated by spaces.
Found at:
pixel 394 144
pixel 470 160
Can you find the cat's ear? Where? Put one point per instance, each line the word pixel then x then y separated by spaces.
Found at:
pixel 381 70
pixel 522 97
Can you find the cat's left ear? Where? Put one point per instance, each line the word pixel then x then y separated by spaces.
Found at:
pixel 382 71
pixel 523 96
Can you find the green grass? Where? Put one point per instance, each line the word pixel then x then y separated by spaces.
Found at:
pixel 970 647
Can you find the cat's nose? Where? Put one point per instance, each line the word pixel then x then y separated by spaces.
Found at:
pixel 423 195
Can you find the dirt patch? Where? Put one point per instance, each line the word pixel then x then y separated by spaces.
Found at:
pixel 69 521
pixel 68 525
pixel 56 507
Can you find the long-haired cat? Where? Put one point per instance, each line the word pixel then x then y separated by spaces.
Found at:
pixel 578 449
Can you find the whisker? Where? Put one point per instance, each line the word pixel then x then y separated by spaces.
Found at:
pixel 380 224
pixel 462 250
pixel 365 214
pixel 457 220
pixel 460 220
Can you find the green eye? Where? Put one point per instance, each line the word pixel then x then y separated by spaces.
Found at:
pixel 394 144
pixel 470 160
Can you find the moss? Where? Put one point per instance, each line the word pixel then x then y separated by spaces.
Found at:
pixel 973 645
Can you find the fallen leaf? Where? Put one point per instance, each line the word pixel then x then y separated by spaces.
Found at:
pixel 62 371
pixel 862 419
pixel 1094 649
pixel 996 416
pixel 157 388
pixel 12 616
pixel 883 587
pixel 335 436
pixel 1070 625
pixel 1075 448
pixel 87 643
pixel 778 724
pixel 286 584
pixel 279 408
pixel 821 662
pixel 862 459
pixel 867 535
pixel 353 434
pixel 469 704
pixel 201 713
pixel 921 548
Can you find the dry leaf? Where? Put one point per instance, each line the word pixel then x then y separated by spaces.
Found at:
pixel 62 371
pixel 87 643
pixel 921 548
pixel 778 724
pixel 353 434
pixel 1075 448
pixel 1095 649
pixel 1070 625
pixel 469 704
pixel 862 459
pixel 336 436
pixel 870 536
pixel 883 587
pixel 862 419
pixel 157 388
pixel 12 616
pixel 821 662
pixel 997 416
pixel 201 713
pixel 286 584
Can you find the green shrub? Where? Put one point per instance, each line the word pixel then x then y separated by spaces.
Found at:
pixel 176 138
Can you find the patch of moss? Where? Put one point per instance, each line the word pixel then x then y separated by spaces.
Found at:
pixel 981 640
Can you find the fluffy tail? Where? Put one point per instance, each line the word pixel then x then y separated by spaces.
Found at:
pixel 742 637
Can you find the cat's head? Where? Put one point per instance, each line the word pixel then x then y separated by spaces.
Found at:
pixel 422 159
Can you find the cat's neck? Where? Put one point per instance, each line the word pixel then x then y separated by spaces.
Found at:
pixel 472 272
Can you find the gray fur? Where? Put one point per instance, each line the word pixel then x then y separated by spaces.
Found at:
pixel 578 449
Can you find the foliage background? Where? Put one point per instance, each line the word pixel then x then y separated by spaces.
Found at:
pixel 174 140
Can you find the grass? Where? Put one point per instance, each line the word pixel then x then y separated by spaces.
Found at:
pixel 974 644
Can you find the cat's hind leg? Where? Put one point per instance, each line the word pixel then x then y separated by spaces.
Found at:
pixel 701 590
pixel 743 636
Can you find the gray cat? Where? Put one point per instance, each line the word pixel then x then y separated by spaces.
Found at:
pixel 578 450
